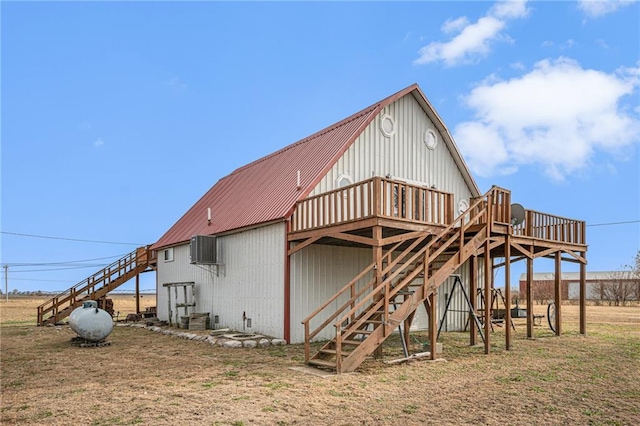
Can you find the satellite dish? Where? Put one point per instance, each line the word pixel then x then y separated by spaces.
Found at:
pixel 517 214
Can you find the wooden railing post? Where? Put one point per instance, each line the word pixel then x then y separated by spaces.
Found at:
pixel 338 349
pixel 307 349
pixel 377 205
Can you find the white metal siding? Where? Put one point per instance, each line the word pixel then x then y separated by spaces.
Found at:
pixel 251 280
pixel 402 155
pixel 317 273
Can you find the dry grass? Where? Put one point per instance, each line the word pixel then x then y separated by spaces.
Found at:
pixel 147 378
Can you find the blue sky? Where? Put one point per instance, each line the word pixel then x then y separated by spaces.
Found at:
pixel 117 117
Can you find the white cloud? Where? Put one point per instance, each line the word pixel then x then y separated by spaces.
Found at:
pixel 98 143
pixel 598 8
pixel 556 116
pixel 473 41
pixel 601 43
pixel 547 43
pixel 517 66
pixel 510 9
pixel 454 25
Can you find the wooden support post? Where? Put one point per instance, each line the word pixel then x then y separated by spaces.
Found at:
pixel 583 295
pixel 169 303
pixel 487 297
pixel 177 314
pixel 137 294
pixel 433 325
pixel 507 291
pixel 185 301
pixel 377 258
pixel 407 328
pixel 557 300
pixel 530 297
pixel 473 296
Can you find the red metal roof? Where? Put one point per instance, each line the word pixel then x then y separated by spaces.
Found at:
pixel 266 190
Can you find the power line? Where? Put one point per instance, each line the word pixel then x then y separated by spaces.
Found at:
pixel 39 280
pixel 66 262
pixel 614 223
pixel 19 234
pixel 61 269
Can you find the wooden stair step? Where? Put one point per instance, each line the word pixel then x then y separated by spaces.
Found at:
pixel 358 331
pixel 350 342
pixel 322 363
pixel 334 352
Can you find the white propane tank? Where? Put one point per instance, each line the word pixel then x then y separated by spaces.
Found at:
pixel 90 322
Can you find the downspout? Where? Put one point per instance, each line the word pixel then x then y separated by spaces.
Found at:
pixel 287 285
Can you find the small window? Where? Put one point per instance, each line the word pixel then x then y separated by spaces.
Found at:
pixel 387 125
pixel 344 180
pixel 168 255
pixel 463 205
pixel 430 139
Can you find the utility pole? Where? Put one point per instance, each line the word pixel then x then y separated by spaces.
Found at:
pixel 6 282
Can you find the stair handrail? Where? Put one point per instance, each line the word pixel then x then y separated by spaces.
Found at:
pixel 126 263
pixel 354 295
pixel 481 212
pixel 465 219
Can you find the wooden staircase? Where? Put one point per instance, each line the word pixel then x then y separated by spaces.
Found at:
pixel 97 285
pixel 371 313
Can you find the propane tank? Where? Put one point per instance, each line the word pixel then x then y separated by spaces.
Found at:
pixel 90 322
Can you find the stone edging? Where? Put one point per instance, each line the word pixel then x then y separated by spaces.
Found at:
pixel 212 340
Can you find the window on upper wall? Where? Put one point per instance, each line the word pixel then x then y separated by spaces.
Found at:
pixel 342 181
pixel 430 139
pixel 168 254
pixel 387 125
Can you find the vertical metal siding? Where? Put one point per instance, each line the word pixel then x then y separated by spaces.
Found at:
pixel 180 270
pixel 251 280
pixel 405 155
pixel 317 273
pixel 402 155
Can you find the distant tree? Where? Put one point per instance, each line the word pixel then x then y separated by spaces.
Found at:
pixel 618 287
pixel 635 269
pixel 542 291
pixel 515 295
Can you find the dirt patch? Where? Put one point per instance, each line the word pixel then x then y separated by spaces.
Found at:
pixel 149 378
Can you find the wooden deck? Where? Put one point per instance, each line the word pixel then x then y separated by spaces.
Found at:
pixel 396 206
pixel 418 226
pixel 349 215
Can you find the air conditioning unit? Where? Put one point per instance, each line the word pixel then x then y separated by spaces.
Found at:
pixel 204 250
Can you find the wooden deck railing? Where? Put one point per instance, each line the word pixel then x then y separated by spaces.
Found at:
pixel 386 198
pixel 552 228
pixel 375 197
pixel 125 265
pixel 407 257
pixel 500 210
